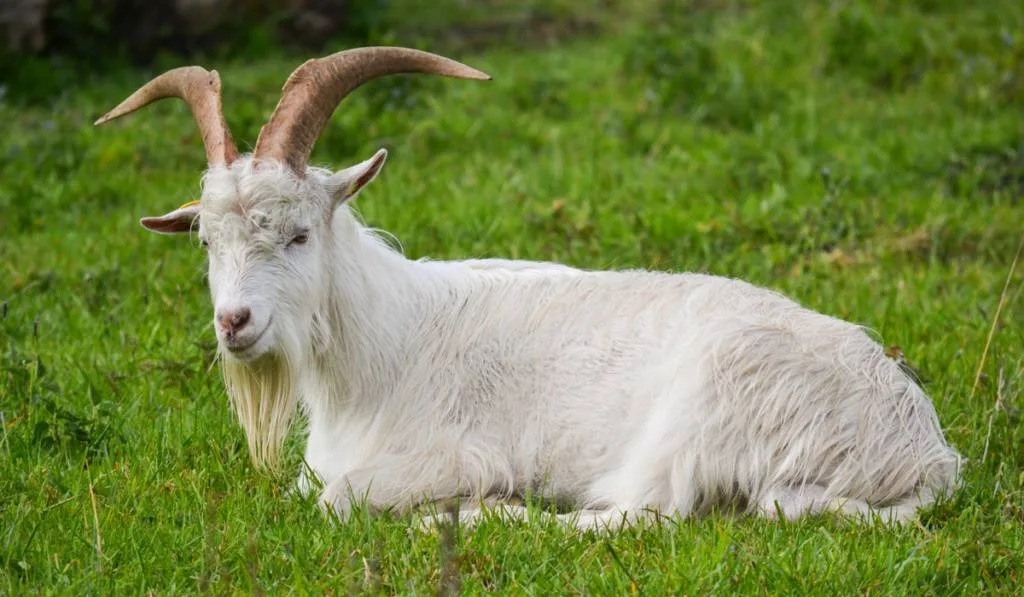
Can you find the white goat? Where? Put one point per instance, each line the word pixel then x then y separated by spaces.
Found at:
pixel 620 393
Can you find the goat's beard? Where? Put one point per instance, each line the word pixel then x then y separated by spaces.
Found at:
pixel 263 394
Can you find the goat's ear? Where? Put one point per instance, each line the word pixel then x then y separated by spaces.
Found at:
pixel 178 221
pixel 347 183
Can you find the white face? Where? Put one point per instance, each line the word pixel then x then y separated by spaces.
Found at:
pixel 269 242
pixel 263 273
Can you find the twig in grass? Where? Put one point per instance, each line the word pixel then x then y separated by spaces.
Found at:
pixel 95 522
pixel 3 426
pixel 371 573
pixel 451 583
pixel 992 415
pixel 988 343
pixel 209 555
pixel 995 318
pixel 250 564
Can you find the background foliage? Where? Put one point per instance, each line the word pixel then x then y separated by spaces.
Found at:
pixel 865 157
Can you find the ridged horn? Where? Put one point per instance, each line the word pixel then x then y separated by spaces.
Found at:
pixel 200 89
pixel 315 89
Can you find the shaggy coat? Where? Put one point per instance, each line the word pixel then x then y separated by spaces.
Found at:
pixel 620 394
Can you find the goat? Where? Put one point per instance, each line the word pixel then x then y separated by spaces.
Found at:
pixel 625 394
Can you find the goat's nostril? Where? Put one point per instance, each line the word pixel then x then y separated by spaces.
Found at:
pixel 232 321
pixel 240 318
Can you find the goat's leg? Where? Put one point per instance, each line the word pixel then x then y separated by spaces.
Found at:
pixel 900 512
pixel 395 482
pixel 609 519
pixel 474 514
pixel 791 502
pixel 907 508
pixel 658 468
pixel 795 501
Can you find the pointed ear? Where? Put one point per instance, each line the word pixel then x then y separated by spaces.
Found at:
pixel 348 182
pixel 178 221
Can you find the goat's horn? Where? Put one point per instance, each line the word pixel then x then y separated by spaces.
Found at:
pixel 200 89
pixel 315 89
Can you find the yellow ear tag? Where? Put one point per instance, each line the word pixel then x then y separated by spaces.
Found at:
pixel 189 204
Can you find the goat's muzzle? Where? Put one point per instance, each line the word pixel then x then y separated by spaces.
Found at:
pixel 233 321
pixel 238 333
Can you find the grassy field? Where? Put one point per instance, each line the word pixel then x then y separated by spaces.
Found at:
pixel 870 166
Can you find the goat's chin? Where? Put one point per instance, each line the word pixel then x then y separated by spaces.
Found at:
pixel 261 349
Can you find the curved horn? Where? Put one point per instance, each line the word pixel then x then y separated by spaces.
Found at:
pixel 200 89
pixel 315 89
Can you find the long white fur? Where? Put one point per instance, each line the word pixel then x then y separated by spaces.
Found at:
pixel 623 394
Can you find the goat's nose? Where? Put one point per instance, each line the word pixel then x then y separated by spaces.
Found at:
pixel 233 320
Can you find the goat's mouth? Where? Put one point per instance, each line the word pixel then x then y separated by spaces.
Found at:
pixel 245 348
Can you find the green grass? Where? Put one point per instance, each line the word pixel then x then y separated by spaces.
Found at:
pixel 865 158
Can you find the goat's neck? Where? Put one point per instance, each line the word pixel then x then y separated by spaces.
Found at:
pixel 376 298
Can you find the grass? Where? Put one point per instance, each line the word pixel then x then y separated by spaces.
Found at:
pixel 866 158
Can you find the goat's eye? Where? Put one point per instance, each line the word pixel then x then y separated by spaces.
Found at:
pixel 299 239
pixel 204 243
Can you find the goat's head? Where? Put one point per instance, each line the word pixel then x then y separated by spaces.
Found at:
pixel 265 218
